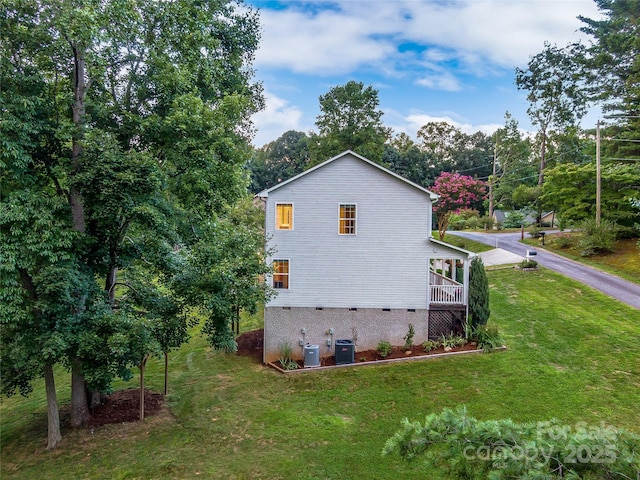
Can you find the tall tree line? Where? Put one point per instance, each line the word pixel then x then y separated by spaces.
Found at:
pixel 124 133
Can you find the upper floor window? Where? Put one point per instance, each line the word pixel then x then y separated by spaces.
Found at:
pixel 347 219
pixel 281 274
pixel 284 216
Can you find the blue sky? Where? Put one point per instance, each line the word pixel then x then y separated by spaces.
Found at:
pixel 430 60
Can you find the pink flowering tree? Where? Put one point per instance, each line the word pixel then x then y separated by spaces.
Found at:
pixel 457 192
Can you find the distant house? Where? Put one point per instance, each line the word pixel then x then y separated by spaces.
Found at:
pixel 501 218
pixel 353 258
pixel 549 219
pixel 498 217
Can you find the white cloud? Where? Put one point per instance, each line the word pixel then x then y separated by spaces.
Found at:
pixel 424 55
pixel 277 117
pixel 443 81
pixel 323 44
pixel 352 34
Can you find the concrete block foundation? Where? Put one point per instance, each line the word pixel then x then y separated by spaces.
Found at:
pixel 301 326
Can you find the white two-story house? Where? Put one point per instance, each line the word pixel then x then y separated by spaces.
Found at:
pixel 353 258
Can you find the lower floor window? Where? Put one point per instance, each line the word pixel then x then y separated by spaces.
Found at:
pixel 281 274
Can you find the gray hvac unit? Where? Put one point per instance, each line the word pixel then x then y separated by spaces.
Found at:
pixel 311 356
pixel 344 351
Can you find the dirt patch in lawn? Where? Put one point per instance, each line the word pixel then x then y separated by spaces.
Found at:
pixel 124 406
pixel 250 344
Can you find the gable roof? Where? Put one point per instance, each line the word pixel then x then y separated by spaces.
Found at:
pixel 265 193
pixel 499 215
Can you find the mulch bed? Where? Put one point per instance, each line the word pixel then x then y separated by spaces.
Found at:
pixel 250 344
pixel 124 406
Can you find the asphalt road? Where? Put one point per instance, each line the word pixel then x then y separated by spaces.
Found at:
pixel 611 285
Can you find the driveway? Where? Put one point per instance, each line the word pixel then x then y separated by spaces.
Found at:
pixel 623 290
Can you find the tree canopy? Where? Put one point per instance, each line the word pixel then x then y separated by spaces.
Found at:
pixel 279 160
pixel 349 120
pixel 554 81
pixel 456 192
pixel 125 130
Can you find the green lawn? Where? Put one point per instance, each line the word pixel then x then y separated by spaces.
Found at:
pixel 572 354
pixel 464 243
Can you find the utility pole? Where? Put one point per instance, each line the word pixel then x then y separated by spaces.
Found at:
pixel 493 177
pixel 598 179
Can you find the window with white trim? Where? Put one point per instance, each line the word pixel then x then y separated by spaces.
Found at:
pixel 284 216
pixel 347 219
pixel 281 274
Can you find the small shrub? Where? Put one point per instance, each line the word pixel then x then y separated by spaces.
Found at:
pixel 452 340
pixel 474 223
pixel 408 338
pixel 528 264
pixel 514 220
pixel 562 240
pixel 384 349
pixel 597 238
pixel 457 222
pixel 486 222
pixel 468 328
pixel 430 345
pixel 285 357
pixel 488 338
pixel 535 231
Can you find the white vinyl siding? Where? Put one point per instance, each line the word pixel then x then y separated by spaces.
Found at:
pixel 385 264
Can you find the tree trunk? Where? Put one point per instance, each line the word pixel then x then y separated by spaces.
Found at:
pixel 95 398
pixel 166 372
pixel 110 284
pixel 78 111
pixel 141 367
pixel 492 179
pixel 53 417
pixel 543 160
pixel 79 408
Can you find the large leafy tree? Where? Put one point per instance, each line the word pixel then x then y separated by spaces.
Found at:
pixel 571 190
pixel 613 64
pixel 125 128
pixel 453 150
pixel 279 160
pixel 224 271
pixel 349 120
pixel 553 80
pixel 511 164
pixel 403 156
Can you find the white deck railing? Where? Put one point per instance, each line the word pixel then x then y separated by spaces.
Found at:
pixel 447 294
pixel 443 290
